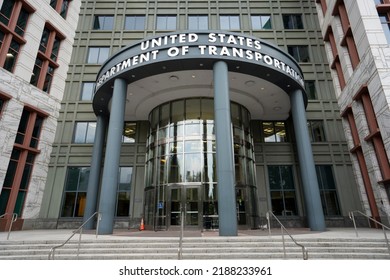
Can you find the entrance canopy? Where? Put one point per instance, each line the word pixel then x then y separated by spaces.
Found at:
pixel 179 65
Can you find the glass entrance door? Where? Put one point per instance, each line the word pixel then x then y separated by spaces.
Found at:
pixel 187 200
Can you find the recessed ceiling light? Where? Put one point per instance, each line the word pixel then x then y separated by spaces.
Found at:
pixel 249 83
pixel 277 108
pixel 173 78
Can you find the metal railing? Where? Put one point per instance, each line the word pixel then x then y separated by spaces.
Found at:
pixel 180 250
pixel 283 229
pixel 79 230
pixel 13 219
pixel 352 217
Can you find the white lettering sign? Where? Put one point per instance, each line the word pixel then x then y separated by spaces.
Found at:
pixel 218 44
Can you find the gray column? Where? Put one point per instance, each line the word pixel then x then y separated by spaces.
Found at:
pixel 94 174
pixel 311 190
pixel 225 156
pixel 112 156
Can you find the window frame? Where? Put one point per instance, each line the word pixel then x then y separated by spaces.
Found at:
pixel 84 133
pixel 17 178
pixel 11 36
pixel 298 51
pixel 46 60
pixel 197 19
pixel 293 21
pixel 324 188
pixel 293 190
pixel 61 6
pixel 275 132
pixel 100 58
pixel 127 191
pixel 260 18
pixel 314 136
pixel 166 24
pixel 106 26
pixel 229 18
pixel 87 89
pixel 136 18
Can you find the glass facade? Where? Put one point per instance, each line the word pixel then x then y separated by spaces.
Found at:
pixel 181 165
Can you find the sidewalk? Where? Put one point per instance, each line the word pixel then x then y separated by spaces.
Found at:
pixel 64 234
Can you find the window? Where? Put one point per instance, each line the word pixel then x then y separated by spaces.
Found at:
pixel 1 105
pixel 229 22
pixel 46 61
pixel 261 22
pixel 20 167
pixel 14 16
pixel 135 23
pixel 61 6
pixel 166 23
pixel 123 191
pixel 87 91
pixel 129 133
pixel 300 53
pixel 311 91
pixel 348 40
pixel 292 22
pixel 328 192
pixel 103 23
pixel 76 186
pixel 282 190
pixel 97 54
pixel 274 132
pixel 84 132
pixel 316 131
pixel 384 18
pixel 75 194
pixel 198 22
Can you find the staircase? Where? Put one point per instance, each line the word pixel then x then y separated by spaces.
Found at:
pixel 243 247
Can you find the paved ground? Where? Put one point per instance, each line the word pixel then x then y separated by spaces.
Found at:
pixel 63 234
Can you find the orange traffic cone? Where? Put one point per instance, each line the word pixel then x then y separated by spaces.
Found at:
pixel 142 226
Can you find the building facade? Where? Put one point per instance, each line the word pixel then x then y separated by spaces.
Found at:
pixel 356 35
pixel 36 39
pixel 167 159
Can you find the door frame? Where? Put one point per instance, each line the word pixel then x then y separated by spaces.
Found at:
pixel 183 197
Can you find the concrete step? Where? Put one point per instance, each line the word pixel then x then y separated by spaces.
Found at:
pixel 197 248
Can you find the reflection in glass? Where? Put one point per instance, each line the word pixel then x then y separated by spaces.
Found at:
pixel 181 154
pixel 193 167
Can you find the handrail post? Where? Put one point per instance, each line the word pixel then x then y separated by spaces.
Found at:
pixel 305 254
pixel 180 251
pixel 78 246
pixel 387 240
pixel 284 245
pixel 269 223
pixel 99 217
pixel 78 230
pixel 352 217
pixel 13 219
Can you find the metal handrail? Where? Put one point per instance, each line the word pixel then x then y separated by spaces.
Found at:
pixel 304 250
pixel 180 250
pixel 79 230
pixel 352 217
pixel 13 219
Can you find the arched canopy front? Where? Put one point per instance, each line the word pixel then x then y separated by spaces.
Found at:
pixel 177 65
